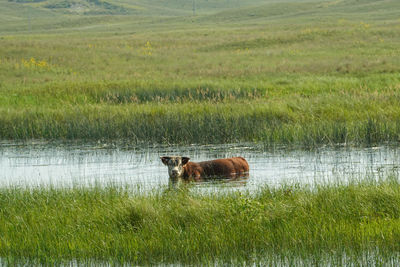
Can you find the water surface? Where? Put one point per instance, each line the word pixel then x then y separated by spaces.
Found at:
pixel 87 164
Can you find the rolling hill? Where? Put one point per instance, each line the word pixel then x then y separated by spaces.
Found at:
pixel 45 16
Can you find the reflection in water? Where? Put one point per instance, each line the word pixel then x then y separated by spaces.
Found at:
pixel 89 164
pixel 231 181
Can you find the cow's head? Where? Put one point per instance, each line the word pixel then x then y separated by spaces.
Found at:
pixel 175 165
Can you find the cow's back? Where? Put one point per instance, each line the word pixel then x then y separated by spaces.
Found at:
pixel 224 167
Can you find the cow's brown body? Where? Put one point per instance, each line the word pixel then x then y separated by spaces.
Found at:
pixel 219 168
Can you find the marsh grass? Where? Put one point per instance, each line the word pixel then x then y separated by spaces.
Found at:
pixel 298 122
pixel 358 222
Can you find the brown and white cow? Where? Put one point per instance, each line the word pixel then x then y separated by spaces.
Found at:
pixel 180 167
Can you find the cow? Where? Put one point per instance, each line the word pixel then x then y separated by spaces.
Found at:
pixel 180 167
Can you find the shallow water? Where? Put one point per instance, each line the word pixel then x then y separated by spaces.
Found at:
pixel 88 164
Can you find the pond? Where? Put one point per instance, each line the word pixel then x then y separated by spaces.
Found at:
pixel 71 164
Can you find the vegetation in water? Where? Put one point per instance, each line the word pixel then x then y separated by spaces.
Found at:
pixel 358 222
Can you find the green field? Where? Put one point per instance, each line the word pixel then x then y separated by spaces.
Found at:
pixel 307 72
pixel 291 225
pixel 303 72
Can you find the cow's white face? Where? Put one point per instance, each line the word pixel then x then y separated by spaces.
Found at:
pixel 175 165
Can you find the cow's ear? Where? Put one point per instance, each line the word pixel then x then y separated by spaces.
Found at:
pixel 185 160
pixel 165 160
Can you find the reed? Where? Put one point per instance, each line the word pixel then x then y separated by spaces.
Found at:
pixel 186 123
pixel 333 224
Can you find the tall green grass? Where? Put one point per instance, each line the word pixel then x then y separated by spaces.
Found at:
pixel 311 122
pixel 191 124
pixel 328 224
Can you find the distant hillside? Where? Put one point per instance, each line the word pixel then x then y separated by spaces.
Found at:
pixel 23 16
pixel 37 15
pixel 142 7
pixel 299 11
pixel 81 7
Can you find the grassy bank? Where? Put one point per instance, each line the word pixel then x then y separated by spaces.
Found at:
pixel 254 71
pixel 205 123
pixel 355 223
